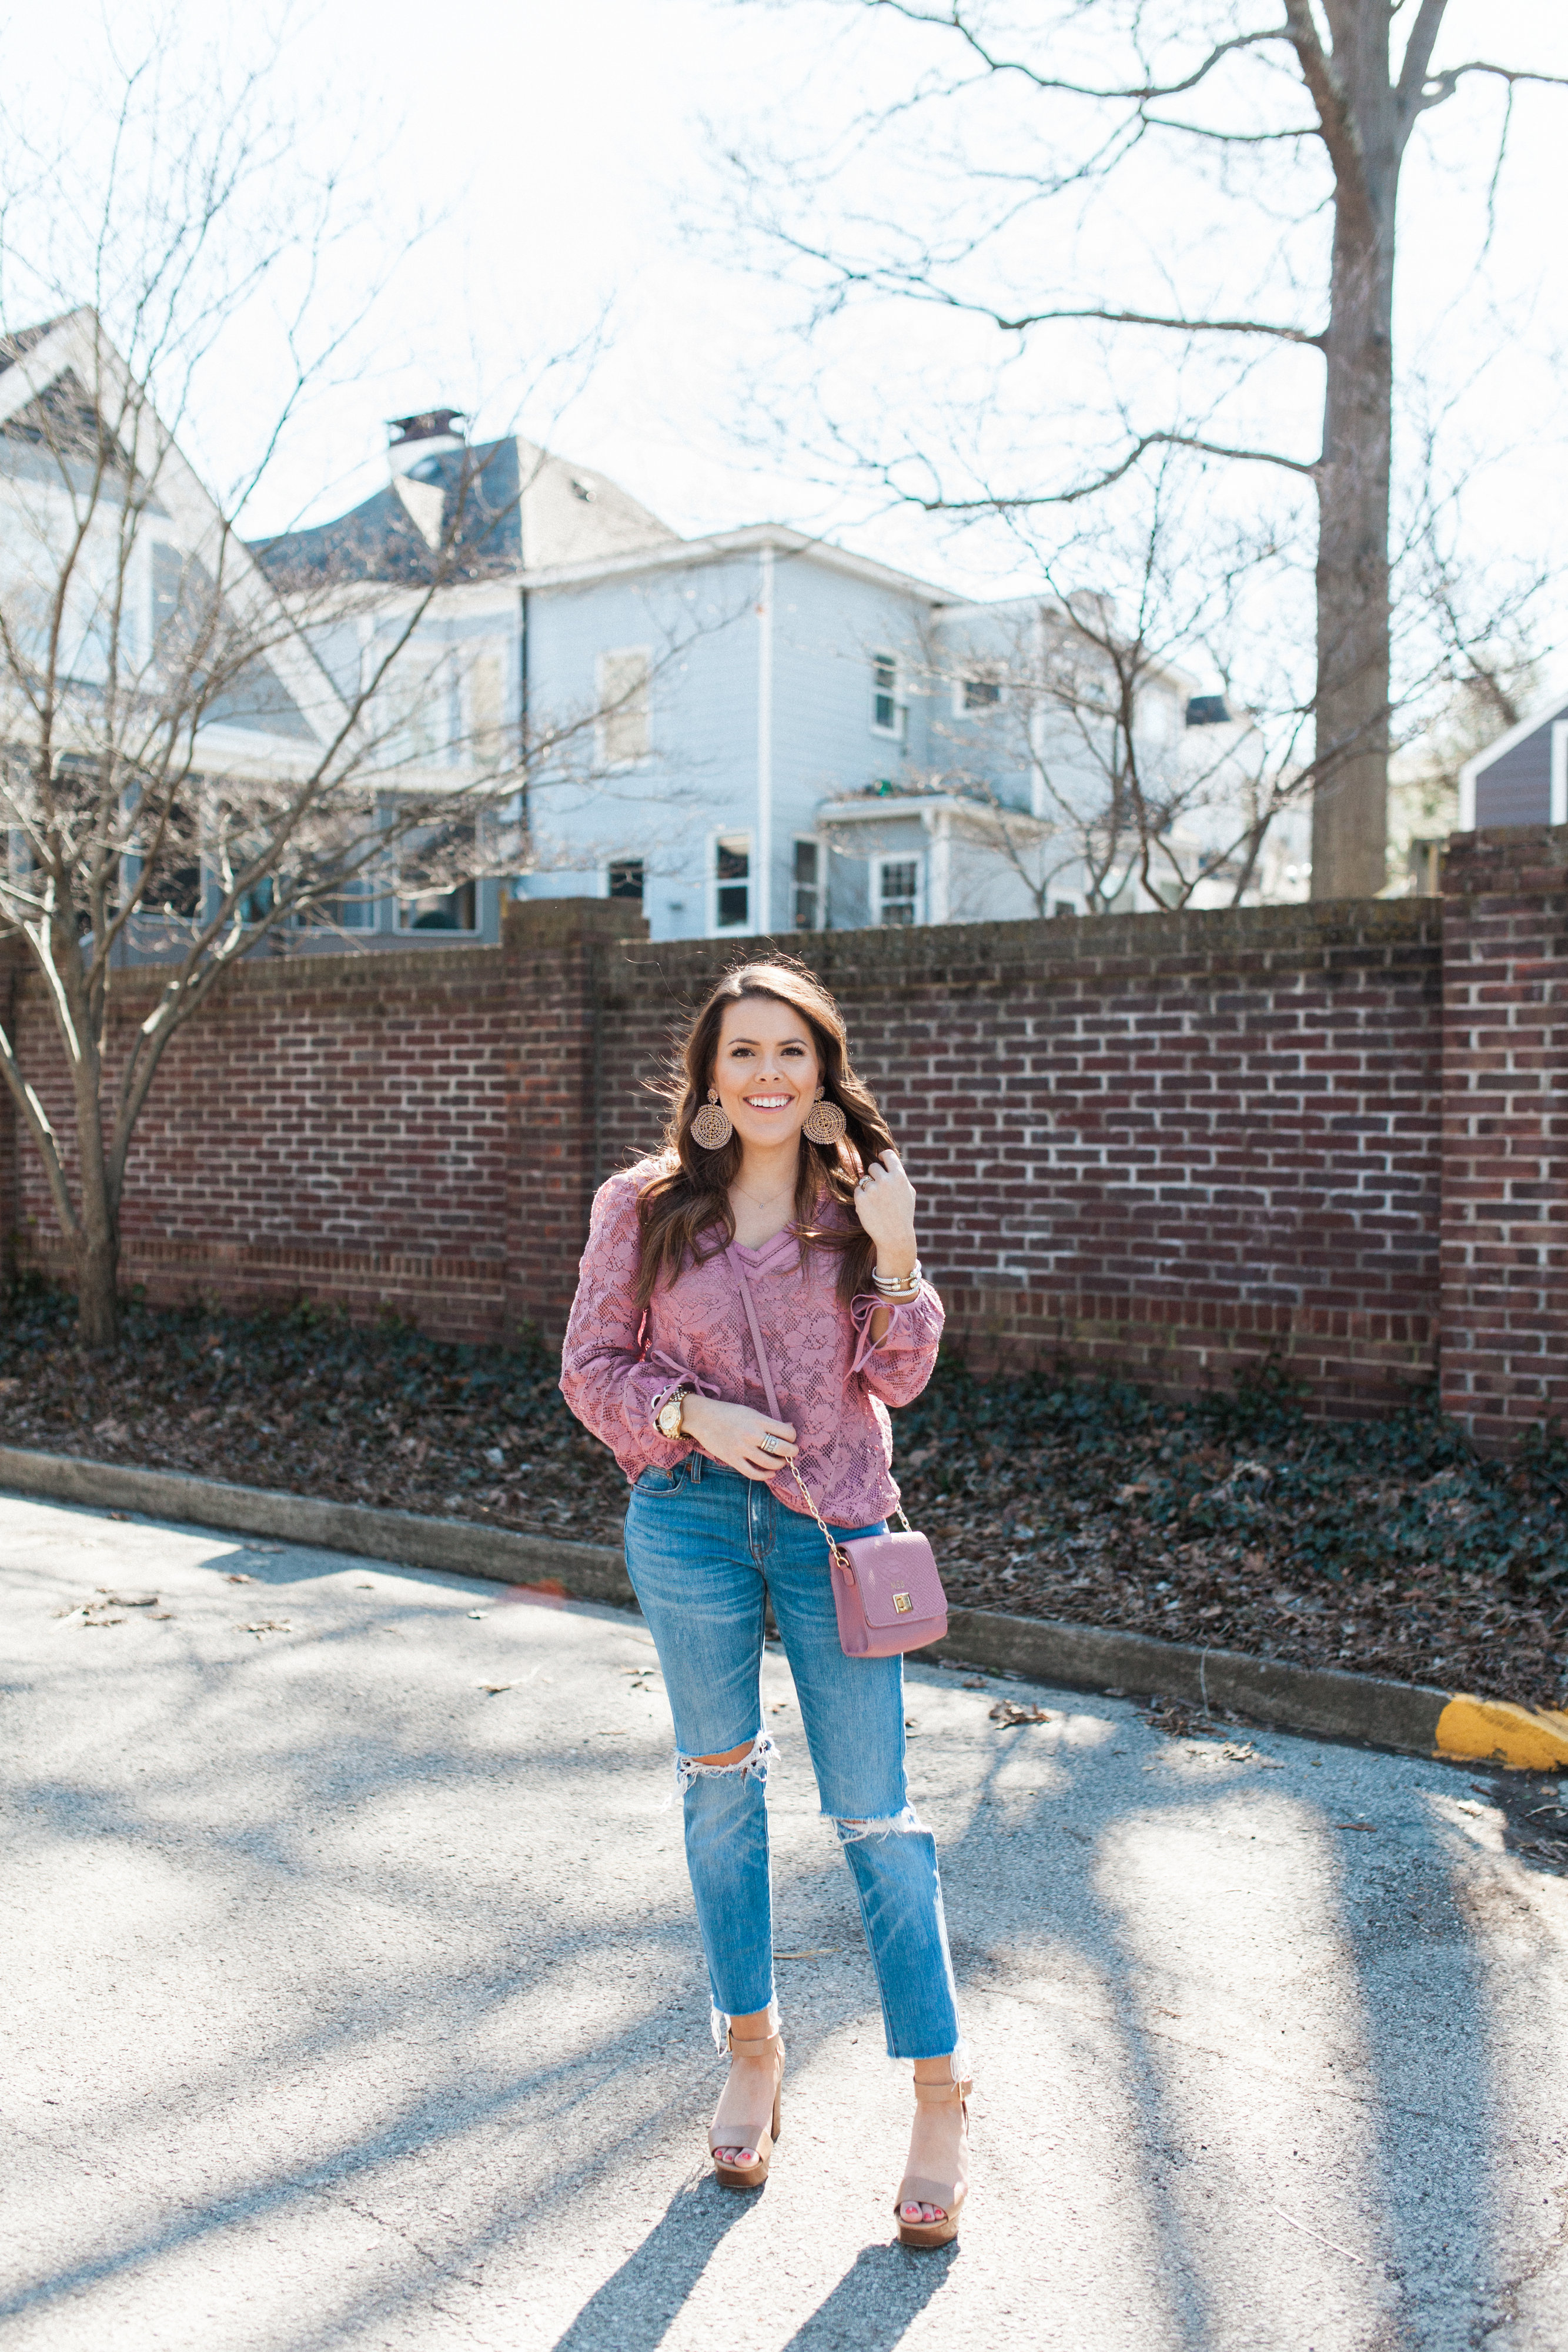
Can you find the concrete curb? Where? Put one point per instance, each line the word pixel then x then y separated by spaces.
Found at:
pixel 591 1571
pixel 1317 1701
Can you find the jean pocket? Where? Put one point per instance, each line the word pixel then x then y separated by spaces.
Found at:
pixel 660 1482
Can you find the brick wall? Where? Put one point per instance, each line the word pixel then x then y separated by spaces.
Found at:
pixel 1171 1145
pixel 350 1127
pixel 1505 1146
pixel 1166 1144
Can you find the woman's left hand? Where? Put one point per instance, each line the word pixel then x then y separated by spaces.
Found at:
pixel 885 1204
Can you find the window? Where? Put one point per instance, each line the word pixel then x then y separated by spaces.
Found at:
pixel 732 871
pixel 431 856
pixel 808 886
pixel 439 910
pixel 979 693
pixel 897 890
pixel 625 732
pixel 887 713
pixel 487 734
pixel 626 879
pixel 1063 908
pixel 352 909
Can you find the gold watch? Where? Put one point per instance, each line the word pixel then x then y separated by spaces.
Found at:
pixel 668 1420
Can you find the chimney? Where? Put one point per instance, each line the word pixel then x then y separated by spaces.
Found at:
pixel 429 434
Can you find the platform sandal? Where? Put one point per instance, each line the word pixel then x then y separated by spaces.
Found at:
pixel 920 2188
pixel 728 2131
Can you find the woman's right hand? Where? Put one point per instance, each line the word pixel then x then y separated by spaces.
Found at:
pixel 732 1434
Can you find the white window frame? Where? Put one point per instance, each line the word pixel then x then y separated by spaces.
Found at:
pixel 602 689
pixel 879 864
pixel 817 843
pixel 897 732
pixel 731 839
pixel 626 858
pixel 977 674
pixel 485 742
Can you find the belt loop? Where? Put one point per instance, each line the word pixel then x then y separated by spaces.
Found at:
pixel 695 1467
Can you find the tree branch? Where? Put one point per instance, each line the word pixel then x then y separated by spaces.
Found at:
pixel 951 20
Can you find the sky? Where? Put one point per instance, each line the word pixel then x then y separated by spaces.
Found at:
pixel 534 174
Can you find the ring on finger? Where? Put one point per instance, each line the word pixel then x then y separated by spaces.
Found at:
pixel 768 1443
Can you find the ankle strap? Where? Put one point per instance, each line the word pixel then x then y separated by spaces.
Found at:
pixel 765 2048
pixel 941 2095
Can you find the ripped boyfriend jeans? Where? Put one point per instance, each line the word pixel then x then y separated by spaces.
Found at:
pixel 704 1547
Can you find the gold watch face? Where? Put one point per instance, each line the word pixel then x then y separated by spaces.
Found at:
pixel 670 1417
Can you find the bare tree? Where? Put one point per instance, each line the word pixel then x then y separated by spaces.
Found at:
pixel 203 756
pixel 1081 734
pixel 1302 116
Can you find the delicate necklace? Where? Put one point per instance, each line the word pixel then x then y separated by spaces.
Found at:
pixel 783 1193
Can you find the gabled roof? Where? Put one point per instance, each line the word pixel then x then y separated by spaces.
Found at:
pixel 1555 706
pixel 483 511
pixel 67 369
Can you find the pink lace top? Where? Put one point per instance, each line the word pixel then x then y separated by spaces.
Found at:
pixel 831 1381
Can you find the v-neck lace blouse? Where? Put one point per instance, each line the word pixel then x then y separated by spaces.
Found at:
pixel 833 1382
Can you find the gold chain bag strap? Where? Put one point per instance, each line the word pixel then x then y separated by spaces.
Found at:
pixel 887 1591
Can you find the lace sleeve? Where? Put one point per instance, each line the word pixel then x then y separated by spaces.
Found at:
pixel 608 1380
pixel 896 1366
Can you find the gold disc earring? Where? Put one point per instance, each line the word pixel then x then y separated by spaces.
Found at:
pixel 712 1127
pixel 824 1122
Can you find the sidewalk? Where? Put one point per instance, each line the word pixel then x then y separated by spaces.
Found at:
pixel 350 2003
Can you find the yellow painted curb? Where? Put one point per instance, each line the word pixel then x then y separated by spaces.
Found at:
pixel 1494 1731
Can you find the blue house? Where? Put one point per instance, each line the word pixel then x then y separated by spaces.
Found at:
pixel 748 733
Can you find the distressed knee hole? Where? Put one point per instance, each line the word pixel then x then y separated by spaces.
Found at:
pixel 747 1763
pixel 892 1824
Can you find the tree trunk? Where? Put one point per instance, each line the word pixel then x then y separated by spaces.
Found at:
pixel 97 1242
pixel 1350 802
pixel 97 1292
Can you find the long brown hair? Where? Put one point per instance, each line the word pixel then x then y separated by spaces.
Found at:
pixel 685 1210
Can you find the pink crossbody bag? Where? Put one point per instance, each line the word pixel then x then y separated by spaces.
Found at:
pixel 887 1591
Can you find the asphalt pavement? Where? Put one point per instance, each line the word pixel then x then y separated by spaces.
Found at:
pixel 349 1997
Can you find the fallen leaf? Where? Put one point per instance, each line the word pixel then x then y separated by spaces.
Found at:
pixel 161 1616
pixel 1012 1710
pixel 130 1600
pixel 979 1683
pixel 1370 1827
pixel 480 1614
pixel 104 1620
pixel 237 1576
pixel 495 1689
pixel 269 1625
pixel 817 1952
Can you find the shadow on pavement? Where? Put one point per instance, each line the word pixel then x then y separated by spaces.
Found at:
pixel 874 2305
pixel 634 2310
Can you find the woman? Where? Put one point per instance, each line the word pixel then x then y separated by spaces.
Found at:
pixel 775 1148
